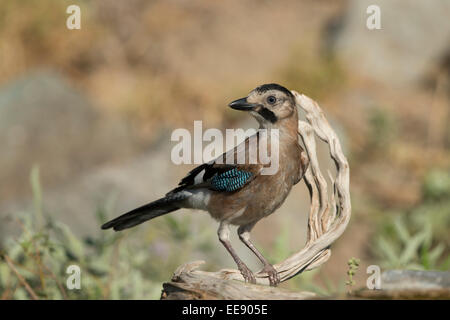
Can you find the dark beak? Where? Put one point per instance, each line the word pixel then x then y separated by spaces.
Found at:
pixel 242 104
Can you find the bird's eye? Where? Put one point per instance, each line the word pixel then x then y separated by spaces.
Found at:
pixel 271 99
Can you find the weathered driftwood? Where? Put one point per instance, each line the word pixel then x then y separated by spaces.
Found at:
pixel 328 218
pixel 188 283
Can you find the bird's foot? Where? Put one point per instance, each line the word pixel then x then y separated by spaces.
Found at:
pixel 274 277
pixel 247 273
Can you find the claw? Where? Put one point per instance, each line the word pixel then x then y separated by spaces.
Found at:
pixel 247 273
pixel 274 277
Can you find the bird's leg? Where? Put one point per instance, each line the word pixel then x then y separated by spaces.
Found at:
pixel 224 237
pixel 244 235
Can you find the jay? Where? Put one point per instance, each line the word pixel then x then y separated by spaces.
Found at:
pixel 239 193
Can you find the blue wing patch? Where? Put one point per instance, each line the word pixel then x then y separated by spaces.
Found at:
pixel 230 180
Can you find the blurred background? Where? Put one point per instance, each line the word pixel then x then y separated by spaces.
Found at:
pixel 86 117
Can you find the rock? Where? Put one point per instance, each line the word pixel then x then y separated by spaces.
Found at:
pixel 414 280
pixel 46 122
pixel 414 37
pixel 409 285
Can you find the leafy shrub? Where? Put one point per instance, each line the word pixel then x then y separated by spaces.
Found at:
pixel 418 238
pixel 113 265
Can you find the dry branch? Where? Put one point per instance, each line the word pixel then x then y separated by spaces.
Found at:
pixel 328 218
pixel 22 280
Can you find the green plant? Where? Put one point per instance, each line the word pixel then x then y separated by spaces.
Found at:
pixel 353 265
pixel 436 185
pixel 418 238
pixel 113 265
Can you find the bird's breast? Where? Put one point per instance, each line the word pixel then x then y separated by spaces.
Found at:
pixel 258 199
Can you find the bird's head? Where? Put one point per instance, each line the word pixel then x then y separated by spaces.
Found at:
pixel 269 104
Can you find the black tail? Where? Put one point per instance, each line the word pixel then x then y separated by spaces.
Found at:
pixel 146 212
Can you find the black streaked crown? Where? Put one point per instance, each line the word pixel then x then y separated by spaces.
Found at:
pixel 274 86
